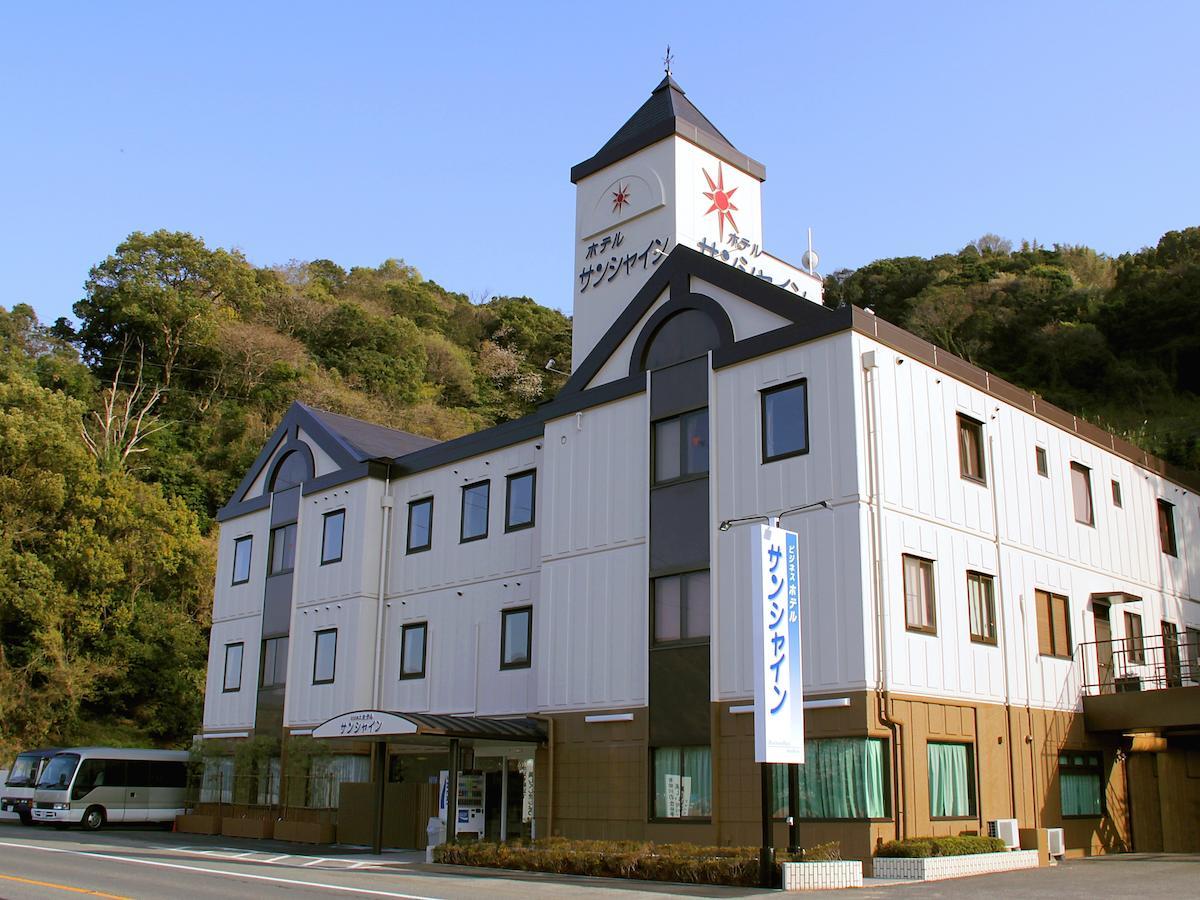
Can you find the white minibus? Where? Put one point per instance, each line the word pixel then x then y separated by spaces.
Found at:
pixel 16 799
pixel 92 786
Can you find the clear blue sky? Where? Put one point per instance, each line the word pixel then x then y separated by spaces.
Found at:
pixel 443 133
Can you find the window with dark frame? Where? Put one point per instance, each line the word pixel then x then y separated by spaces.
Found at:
pixel 516 637
pixel 981 607
pixel 519 501
pixel 233 667
pixel 826 791
pixel 273 662
pixel 970 449
pixel 283 549
pixel 920 603
pixel 1192 637
pixel 333 532
pixel 1043 467
pixel 324 656
pixel 1166 528
pixel 1135 642
pixel 243 549
pixel 412 650
pixel 475 498
pixel 784 415
pixel 420 525
pixel 1081 784
pixel 681 446
pixel 1054 624
pixel 1116 494
pixel 951 780
pixel 680 607
pixel 681 782
pixel 1081 494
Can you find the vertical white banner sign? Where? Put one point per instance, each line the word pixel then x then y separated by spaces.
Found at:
pixel 778 682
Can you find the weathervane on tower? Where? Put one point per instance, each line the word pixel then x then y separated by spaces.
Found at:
pixel 667 60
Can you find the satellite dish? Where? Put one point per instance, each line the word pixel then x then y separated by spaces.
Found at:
pixel 810 260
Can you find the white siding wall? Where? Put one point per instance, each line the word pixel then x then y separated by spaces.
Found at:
pixel 836 627
pixel 450 562
pixel 748 319
pixel 237 616
pixel 931 511
pixel 591 638
pixel 462 662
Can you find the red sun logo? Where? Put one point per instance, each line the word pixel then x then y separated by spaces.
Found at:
pixel 722 200
pixel 620 197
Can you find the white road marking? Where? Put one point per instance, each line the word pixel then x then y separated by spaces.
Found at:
pixel 314 860
pixel 275 859
pixel 345 889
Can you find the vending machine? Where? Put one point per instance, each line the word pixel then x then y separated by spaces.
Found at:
pixel 471 790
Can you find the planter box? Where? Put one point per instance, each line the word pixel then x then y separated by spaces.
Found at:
pixel 247 827
pixel 936 868
pixel 818 876
pixel 304 832
pixel 193 824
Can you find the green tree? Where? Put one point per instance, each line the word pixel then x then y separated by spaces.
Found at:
pixel 165 292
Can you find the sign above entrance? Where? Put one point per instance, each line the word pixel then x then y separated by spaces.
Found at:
pixel 778 678
pixel 364 724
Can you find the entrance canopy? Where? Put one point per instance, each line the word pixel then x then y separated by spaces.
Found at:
pixel 381 725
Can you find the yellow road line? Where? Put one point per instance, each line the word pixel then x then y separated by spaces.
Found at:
pixel 63 887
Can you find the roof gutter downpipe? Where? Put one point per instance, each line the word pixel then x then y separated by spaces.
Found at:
pixel 385 514
pixel 875 476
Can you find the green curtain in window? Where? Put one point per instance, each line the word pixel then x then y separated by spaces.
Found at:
pixel 841 778
pixel 949 780
pixel 697 765
pixel 1080 794
pixel 666 762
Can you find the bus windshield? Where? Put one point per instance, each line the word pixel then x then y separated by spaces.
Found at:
pixel 23 771
pixel 59 773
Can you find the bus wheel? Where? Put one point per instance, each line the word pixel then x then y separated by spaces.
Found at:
pixel 93 819
pixel 26 819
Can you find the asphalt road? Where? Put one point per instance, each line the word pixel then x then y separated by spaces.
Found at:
pixel 37 863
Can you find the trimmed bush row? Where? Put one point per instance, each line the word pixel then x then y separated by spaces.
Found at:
pixel 925 847
pixel 625 859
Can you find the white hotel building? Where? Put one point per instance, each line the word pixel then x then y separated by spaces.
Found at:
pixel 1001 602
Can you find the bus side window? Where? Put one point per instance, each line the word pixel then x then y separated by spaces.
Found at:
pixel 114 773
pixel 137 773
pixel 168 774
pixel 91 775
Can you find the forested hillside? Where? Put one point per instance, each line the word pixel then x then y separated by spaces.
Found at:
pixel 1116 341
pixel 121 435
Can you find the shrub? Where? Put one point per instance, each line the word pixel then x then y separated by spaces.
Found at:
pixel 924 847
pixel 625 859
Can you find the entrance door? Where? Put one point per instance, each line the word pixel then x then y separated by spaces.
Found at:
pixel 1104 650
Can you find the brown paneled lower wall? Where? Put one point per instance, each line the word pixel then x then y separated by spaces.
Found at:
pixel 601 771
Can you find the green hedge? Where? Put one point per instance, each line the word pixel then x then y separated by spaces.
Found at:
pixel 924 847
pixel 625 859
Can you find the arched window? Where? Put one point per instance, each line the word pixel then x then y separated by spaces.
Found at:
pixel 289 471
pixel 685 335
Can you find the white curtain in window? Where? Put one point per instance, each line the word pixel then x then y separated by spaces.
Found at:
pixel 327 773
pixel 216 783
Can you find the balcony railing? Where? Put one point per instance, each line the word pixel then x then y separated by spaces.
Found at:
pixel 1151 663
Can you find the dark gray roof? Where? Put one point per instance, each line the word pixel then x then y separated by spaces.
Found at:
pixel 369 441
pixel 667 112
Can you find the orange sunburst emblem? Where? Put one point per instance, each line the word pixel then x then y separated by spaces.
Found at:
pixel 620 197
pixel 722 200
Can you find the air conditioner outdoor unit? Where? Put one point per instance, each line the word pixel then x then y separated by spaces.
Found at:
pixel 1054 837
pixel 1006 830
